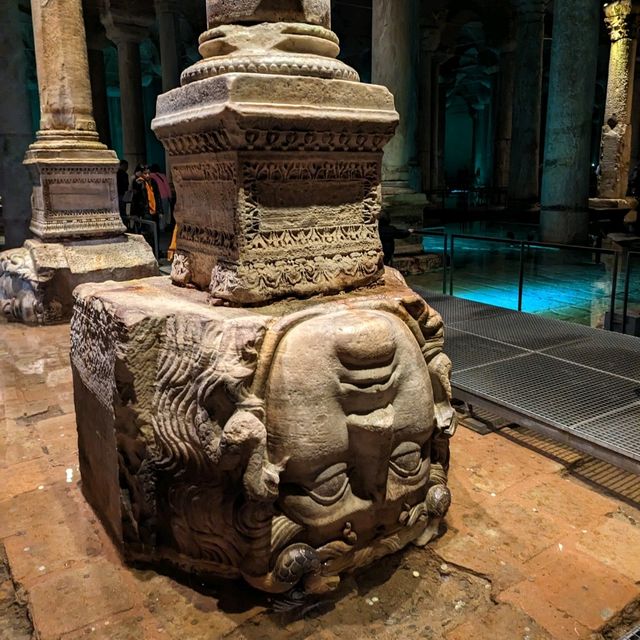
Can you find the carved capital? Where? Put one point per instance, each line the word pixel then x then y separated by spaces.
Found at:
pixel 621 18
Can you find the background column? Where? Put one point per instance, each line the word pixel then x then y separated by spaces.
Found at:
pixel 504 121
pixel 525 142
pixel 73 173
pixel 621 18
pixel 15 127
pixel 127 28
pixel 394 55
pixel 565 181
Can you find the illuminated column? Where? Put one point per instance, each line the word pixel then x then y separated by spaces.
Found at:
pixel 525 142
pixel 565 180
pixel 621 18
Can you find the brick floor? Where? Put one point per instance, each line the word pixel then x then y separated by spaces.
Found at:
pixel 533 551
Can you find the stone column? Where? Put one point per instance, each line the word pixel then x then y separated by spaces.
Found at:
pixel 504 120
pixel 277 156
pixel 131 103
pixel 167 14
pixel 15 128
pixel 75 217
pixel 79 202
pixel 565 180
pixel 127 28
pixel 393 65
pixel 98 75
pixel 525 142
pixel 427 131
pixel 621 18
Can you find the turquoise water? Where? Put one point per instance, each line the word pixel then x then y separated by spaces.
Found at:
pixel 564 284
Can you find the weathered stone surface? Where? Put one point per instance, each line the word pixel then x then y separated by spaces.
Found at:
pixel 252 11
pixel 276 199
pixel 621 18
pixel 73 174
pixel 37 280
pixel 285 443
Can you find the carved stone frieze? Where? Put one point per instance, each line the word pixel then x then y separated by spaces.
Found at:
pixel 284 444
pixel 73 200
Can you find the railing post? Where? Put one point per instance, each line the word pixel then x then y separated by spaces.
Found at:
pixel 444 264
pixel 521 276
pixel 614 287
pixel 625 301
pixel 451 264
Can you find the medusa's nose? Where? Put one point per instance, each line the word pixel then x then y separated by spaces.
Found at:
pixel 366 348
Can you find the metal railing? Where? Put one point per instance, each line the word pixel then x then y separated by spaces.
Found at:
pixel 524 247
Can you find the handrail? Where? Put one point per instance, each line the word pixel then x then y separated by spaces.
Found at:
pixel 449 263
pixel 625 299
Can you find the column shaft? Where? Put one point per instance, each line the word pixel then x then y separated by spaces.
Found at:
pixel 565 182
pixel 15 128
pixel 169 39
pixel 393 65
pixel 622 20
pixel 62 65
pixel 99 95
pixel 426 127
pixel 525 142
pixel 504 120
pixel 131 103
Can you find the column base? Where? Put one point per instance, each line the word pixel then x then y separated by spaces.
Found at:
pixel 403 204
pixel 211 438
pixel 613 203
pixel 37 280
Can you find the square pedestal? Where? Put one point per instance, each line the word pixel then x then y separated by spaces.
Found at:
pixel 284 444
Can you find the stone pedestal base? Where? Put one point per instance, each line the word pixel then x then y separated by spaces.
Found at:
pixel 283 444
pixel 404 206
pixel 613 203
pixel 37 280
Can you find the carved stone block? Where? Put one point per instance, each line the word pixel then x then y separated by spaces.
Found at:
pixel 276 199
pixel 37 280
pixel 74 193
pixel 284 444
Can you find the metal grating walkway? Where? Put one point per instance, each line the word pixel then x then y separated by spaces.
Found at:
pixel 633 635
pixel 573 383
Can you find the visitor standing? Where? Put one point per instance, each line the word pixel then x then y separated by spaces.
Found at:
pixel 123 188
pixel 164 188
pixel 146 197
pixel 388 236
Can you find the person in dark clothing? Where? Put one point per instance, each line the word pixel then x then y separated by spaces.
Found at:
pixel 146 197
pixel 123 187
pixel 388 236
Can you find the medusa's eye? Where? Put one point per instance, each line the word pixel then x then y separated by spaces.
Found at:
pixel 406 460
pixel 330 485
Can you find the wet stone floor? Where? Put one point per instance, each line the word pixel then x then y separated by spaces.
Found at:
pixel 541 543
